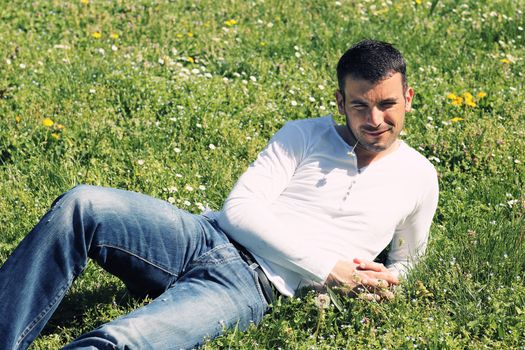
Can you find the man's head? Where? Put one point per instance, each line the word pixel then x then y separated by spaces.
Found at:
pixel 372 61
pixel 373 96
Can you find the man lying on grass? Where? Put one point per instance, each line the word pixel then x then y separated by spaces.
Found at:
pixel 315 208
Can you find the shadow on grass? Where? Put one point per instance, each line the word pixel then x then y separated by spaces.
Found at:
pixel 79 302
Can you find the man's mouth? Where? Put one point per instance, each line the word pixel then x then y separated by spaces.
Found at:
pixel 375 133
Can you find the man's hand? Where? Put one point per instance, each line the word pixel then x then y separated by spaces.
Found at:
pixel 366 279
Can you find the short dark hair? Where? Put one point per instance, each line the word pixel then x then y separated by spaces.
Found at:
pixel 372 61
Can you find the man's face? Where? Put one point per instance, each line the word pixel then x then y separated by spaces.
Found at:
pixel 375 113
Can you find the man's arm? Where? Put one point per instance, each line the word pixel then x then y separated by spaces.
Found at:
pixel 409 243
pixel 248 217
pixel 410 238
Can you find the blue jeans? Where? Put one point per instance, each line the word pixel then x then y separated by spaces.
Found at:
pixel 201 284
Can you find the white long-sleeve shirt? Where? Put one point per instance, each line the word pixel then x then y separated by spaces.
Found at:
pixel 303 204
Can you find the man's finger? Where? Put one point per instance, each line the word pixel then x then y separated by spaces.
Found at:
pixel 370 265
pixel 378 279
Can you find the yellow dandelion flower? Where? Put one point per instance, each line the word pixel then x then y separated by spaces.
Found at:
pixel 179 35
pixel 18 118
pixel 85 2
pixel 469 102
pixel 263 43
pixel 96 35
pixel 190 34
pixel 455 119
pixel 452 96
pixel 55 136
pixel 190 59
pixel 114 36
pixel 467 95
pixel 458 101
pixel 230 22
pixel 481 94
pixel 47 122
pixel 418 2
pixel 505 61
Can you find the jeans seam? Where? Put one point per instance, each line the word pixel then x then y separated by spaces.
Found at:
pixel 139 257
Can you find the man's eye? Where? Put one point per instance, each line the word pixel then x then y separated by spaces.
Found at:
pixel 387 105
pixel 360 107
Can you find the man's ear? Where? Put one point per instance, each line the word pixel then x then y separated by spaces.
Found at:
pixel 409 95
pixel 339 98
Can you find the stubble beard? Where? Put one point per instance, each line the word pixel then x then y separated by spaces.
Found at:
pixel 361 142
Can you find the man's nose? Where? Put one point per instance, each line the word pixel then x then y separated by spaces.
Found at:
pixel 375 117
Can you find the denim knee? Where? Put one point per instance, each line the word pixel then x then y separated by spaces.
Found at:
pixel 83 197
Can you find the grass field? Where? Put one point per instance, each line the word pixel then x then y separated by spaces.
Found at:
pixel 176 98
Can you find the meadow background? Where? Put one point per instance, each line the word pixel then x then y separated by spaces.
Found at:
pixel 176 98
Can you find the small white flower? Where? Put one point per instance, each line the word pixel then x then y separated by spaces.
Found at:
pixel 320 86
pixel 293 103
pixel 114 48
pixel 177 150
pixel 178 175
pixel 161 61
pixel 92 91
pixel 101 51
pixel 212 146
pixel 172 189
pixel 202 187
pixel 171 200
pixel 140 162
pixel 311 99
pixel 188 188
pixel 199 125
pixel 252 78
pixel 22 65
pixel 187 203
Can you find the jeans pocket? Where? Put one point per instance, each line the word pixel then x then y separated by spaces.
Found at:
pixel 220 254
